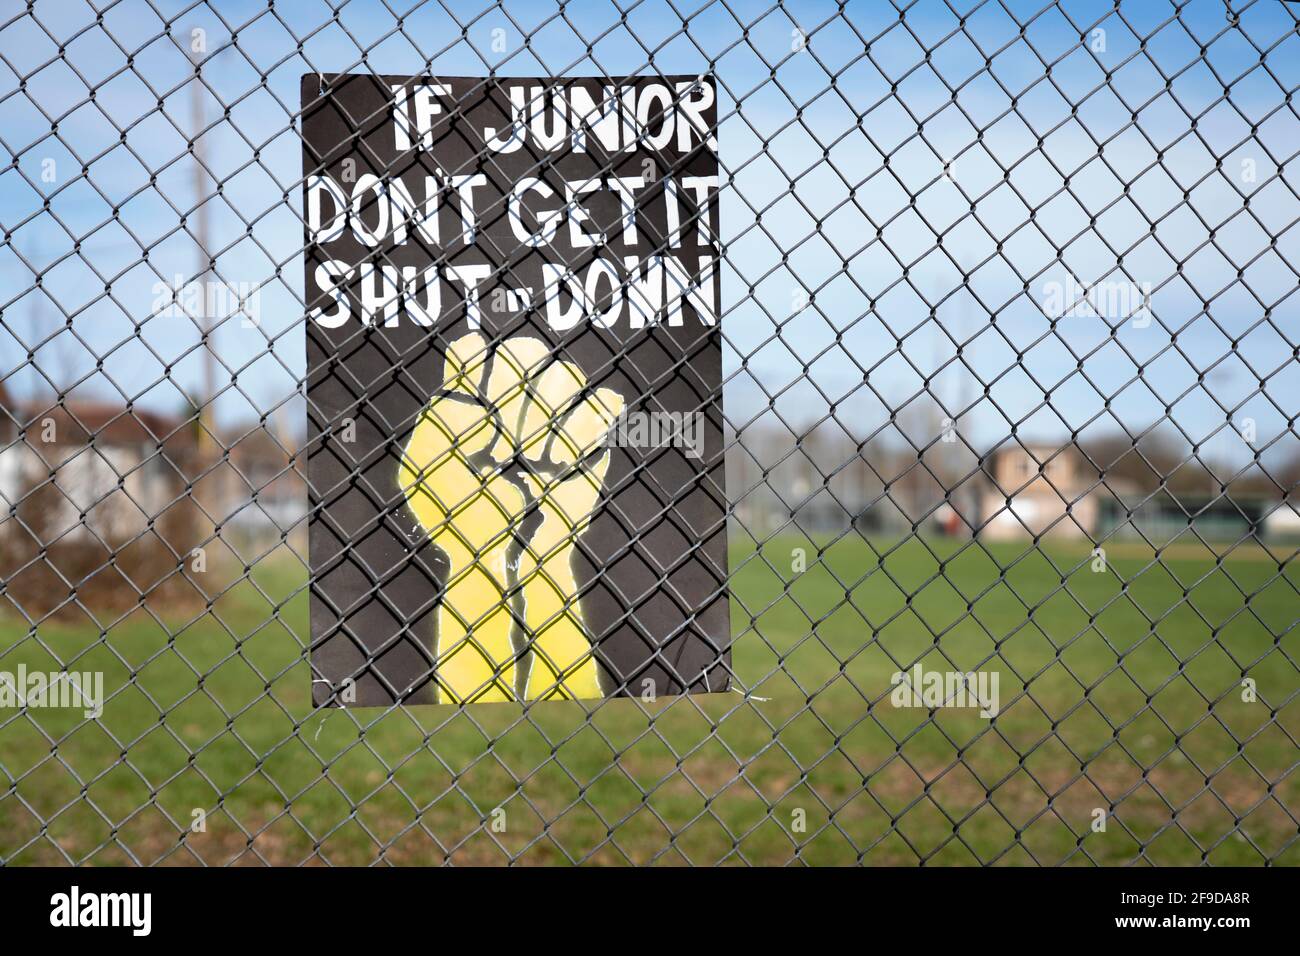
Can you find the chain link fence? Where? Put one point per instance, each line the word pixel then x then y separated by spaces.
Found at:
pixel 1009 330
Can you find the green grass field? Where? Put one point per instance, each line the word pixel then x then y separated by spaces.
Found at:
pixel 218 717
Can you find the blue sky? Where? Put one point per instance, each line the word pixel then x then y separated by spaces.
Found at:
pixel 1154 158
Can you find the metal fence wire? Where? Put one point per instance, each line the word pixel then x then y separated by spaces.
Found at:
pixel 1008 327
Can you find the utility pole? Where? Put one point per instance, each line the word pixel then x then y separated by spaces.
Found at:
pixel 198 118
pixel 965 328
pixel 210 492
pixel 36 319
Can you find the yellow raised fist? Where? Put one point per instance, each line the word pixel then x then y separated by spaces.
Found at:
pixel 503 470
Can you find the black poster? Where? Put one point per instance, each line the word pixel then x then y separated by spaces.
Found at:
pixel 514 388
